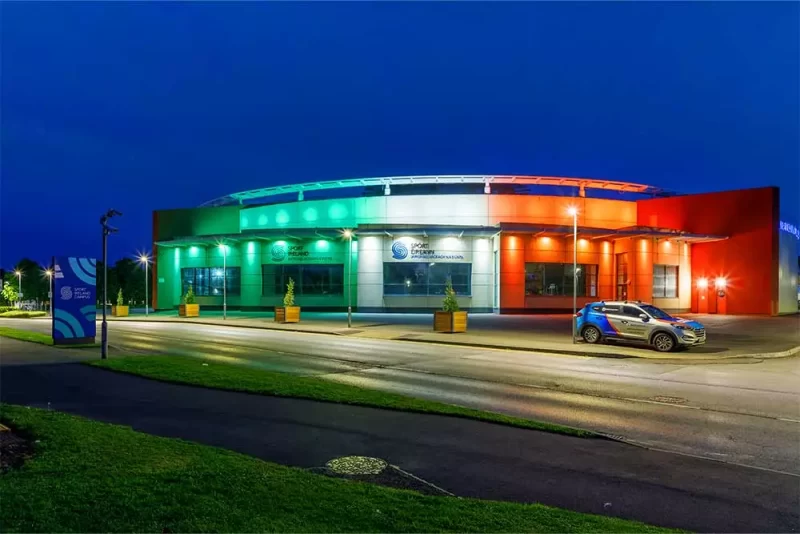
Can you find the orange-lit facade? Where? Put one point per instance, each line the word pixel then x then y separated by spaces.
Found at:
pixel 511 250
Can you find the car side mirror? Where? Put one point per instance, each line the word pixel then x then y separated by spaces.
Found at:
pixel 644 317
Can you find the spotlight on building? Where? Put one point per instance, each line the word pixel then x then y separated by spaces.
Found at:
pixel 720 282
pixel 702 283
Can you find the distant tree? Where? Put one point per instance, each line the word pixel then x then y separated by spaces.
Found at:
pixel 35 284
pixel 9 293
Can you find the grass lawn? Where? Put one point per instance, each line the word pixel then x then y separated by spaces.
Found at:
pixel 209 373
pixel 88 476
pixel 36 337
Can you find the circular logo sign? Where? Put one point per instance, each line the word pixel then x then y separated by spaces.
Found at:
pixel 399 250
pixel 66 293
pixel 278 252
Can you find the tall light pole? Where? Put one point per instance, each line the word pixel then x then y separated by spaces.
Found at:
pixel 224 250
pixel 349 235
pixel 144 258
pixel 19 293
pixel 107 229
pixel 49 273
pixel 574 212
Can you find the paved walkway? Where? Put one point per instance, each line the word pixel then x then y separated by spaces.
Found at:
pixel 468 458
pixel 729 336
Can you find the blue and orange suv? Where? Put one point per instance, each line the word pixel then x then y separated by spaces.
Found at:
pixel 640 322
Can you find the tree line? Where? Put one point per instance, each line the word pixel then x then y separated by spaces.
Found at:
pixel 126 274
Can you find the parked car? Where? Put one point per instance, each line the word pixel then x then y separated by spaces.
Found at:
pixel 639 322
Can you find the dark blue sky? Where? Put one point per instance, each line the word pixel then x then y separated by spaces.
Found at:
pixel 160 105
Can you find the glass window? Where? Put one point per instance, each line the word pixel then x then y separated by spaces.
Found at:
pixel 208 281
pixel 665 281
pixel 631 311
pixel 622 276
pixel 308 279
pixel 411 278
pixel 558 279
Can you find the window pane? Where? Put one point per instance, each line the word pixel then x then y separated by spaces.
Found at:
pixel 426 279
pixel 671 281
pixel 534 279
pixel 322 279
pixel 557 279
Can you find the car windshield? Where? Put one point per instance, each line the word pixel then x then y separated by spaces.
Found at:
pixel 658 313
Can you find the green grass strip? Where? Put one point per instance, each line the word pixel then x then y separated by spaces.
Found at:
pixel 212 374
pixel 37 337
pixel 22 314
pixel 88 476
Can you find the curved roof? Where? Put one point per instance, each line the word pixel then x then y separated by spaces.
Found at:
pixel 581 184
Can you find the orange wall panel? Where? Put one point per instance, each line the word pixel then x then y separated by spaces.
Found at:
pixel 748 258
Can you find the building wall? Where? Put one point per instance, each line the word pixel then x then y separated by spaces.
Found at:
pixel 250 256
pixel 787 273
pixel 463 210
pixel 748 260
pixel 375 251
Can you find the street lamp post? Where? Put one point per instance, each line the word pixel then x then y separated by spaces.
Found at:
pixel 224 250
pixel 19 293
pixel 107 229
pixel 49 274
pixel 349 235
pixel 574 212
pixel 146 260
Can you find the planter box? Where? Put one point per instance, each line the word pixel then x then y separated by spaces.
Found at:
pixel 287 314
pixel 450 321
pixel 189 310
pixel 119 311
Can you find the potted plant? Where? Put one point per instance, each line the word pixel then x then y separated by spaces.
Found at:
pixel 288 313
pixel 189 308
pixel 449 318
pixel 120 310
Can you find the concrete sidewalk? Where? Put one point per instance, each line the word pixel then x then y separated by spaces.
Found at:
pixel 468 458
pixel 729 337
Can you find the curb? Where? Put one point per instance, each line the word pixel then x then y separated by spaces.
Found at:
pixel 564 352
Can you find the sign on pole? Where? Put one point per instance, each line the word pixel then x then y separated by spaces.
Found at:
pixel 74 302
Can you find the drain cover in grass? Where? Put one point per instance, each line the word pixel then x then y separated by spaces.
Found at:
pixel 356 465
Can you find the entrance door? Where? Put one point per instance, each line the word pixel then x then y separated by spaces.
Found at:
pixel 622 276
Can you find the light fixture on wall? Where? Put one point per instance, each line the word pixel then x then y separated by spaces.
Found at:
pixel 702 283
pixel 720 282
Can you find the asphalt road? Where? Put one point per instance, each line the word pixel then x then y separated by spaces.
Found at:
pixel 747 414
pixel 467 458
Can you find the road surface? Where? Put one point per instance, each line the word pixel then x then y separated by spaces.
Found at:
pixel 746 413
pixel 461 456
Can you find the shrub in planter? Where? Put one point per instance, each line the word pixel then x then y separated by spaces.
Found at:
pixel 120 310
pixel 189 308
pixel 288 313
pixel 450 318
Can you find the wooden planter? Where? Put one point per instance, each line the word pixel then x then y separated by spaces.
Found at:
pixel 119 311
pixel 450 321
pixel 189 310
pixel 287 314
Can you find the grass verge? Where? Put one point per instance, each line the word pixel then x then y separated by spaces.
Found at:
pixel 21 314
pixel 211 374
pixel 37 337
pixel 88 476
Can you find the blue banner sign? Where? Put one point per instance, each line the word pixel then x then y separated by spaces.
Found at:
pixel 74 300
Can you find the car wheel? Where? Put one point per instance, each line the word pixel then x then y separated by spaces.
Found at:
pixel 591 334
pixel 663 342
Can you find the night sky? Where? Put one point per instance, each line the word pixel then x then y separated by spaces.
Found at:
pixel 164 105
